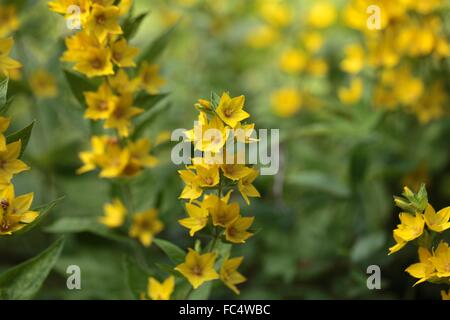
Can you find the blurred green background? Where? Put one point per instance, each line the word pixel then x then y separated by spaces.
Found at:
pixel 324 218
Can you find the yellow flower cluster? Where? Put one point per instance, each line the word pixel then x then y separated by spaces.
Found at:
pixel 15 211
pixel 422 222
pixel 410 32
pixel 8 20
pixel 215 178
pixel 100 49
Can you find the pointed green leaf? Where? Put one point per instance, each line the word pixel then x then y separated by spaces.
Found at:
pixel 155 48
pixel 132 24
pixel 3 92
pixel 23 135
pixel 78 84
pixel 175 253
pixel 201 293
pixel 24 280
pixel 136 277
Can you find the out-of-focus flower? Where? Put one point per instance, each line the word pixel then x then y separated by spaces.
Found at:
pixel 100 104
pixel 229 274
pixel 150 79
pixel 353 93
pixel 10 164
pixel 103 21
pixel 160 290
pixel 198 218
pixel 197 268
pixel 262 36
pixel 322 14
pixel 114 214
pixel 8 20
pixel 122 54
pixel 246 187
pixel 286 102
pixel 145 226
pixel 277 13
pixel 7 63
pixel 43 84
pixel 293 61
pixel 354 59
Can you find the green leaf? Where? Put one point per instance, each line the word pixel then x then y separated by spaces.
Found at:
pixel 3 92
pixel 148 118
pixel 78 85
pixel 43 212
pixel 201 293
pixel 23 135
pixel 319 181
pixel 136 276
pixel 86 224
pixel 24 280
pixel 175 253
pixel 152 52
pixel 147 101
pixel 368 246
pixel 132 24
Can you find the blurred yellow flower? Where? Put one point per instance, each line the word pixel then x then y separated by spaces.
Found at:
pixel 95 62
pixel 441 260
pixel 207 175
pixel 7 63
pixel 313 41
pixel 353 93
pixel 445 295
pixel 15 211
pixel 43 84
pixel 354 59
pixel 198 269
pixel 293 61
pixel 140 157
pixel 122 54
pixel 150 79
pixel 8 20
pixel 262 36
pixel 322 14
pixel 191 189
pixel 286 102
pixel 317 67
pixel 122 84
pixel 224 214
pixel 145 226
pixel 4 124
pixel 160 290
pixel 120 118
pixel 277 13
pixel 63 6
pixel 114 214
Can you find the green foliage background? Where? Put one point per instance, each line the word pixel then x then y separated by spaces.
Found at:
pixel 324 218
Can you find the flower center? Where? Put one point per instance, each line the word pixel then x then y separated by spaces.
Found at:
pixel 209 181
pixel 228 112
pixel 100 19
pixel 4 203
pixel 197 270
pixel 96 63
pixel 102 105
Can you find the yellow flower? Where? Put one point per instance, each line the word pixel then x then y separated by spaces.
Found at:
pixel 286 102
pixel 145 226
pixel 210 136
pixel 410 228
pixel 122 84
pixel 15 212
pixel 100 104
pixel 235 171
pixel 139 157
pixel 224 214
pixel 230 110
pixel 62 7
pixel 150 79
pixel 120 118
pixel 114 214
pixel 322 14
pixel 103 21
pixel 317 67
pixel 123 54
pixel 7 63
pixel 197 268
pixel 43 84
pixel 95 62
pixel 207 175
pixel 275 13
pixel 353 93
pixel 91 159
pixel 8 20
pixel 192 189
pixel 439 221
pixel 246 187
pixel 9 162
pixel 78 44
pixel 262 36
pixel 125 6
pixel 445 295
pixel 354 59
pixel 245 133
pixel 4 124
pixel 236 232
pixel 293 61
pixel 198 218
pixel 441 260
pixel 423 270
pixel 229 274
pixel 400 243
pixel 160 291
pixel 313 41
